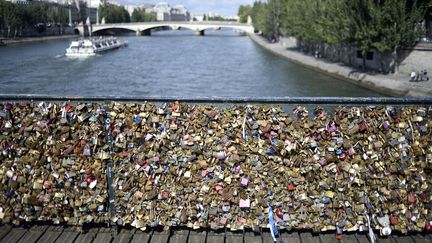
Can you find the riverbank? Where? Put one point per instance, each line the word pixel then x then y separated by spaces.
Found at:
pixel 35 39
pixel 392 84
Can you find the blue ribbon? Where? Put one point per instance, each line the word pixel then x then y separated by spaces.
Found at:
pixel 273 230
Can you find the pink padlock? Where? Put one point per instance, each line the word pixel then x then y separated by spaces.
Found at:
pixel 241 220
pixel 244 181
pixel 351 151
pixel 218 188
pixel 223 220
pixel 244 203
pixel 203 173
pixel 139 194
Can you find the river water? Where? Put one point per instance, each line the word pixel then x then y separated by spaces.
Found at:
pixel 169 63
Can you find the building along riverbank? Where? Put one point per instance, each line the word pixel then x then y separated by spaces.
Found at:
pixel 397 85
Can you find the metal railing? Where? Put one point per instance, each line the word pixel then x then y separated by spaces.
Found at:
pixel 233 100
pixel 211 100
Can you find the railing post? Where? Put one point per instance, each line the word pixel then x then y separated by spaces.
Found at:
pixel 110 170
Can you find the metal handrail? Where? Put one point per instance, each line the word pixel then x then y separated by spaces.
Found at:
pixel 234 100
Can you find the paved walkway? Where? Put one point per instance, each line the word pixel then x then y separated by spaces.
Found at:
pixel 392 84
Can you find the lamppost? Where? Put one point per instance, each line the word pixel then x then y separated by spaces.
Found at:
pixel 97 15
pixel 70 14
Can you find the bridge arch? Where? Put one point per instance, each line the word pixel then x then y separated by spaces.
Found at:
pixel 174 27
pixel 217 27
pixel 198 27
pixel 114 29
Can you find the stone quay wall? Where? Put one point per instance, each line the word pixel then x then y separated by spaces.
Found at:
pixel 200 166
pixel 48 32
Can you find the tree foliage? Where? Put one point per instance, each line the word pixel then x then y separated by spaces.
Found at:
pixel 259 16
pixel 139 15
pixel 15 17
pixel 243 12
pixel 113 14
pixel 398 24
pixel 383 24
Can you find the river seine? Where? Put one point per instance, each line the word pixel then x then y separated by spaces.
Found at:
pixel 169 63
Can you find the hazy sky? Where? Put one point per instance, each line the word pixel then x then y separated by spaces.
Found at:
pixel 223 7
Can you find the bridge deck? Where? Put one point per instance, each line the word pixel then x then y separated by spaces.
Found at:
pixel 46 233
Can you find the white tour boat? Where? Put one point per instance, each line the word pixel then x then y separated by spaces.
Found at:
pixel 91 47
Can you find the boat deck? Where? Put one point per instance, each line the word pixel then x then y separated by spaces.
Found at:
pixel 50 233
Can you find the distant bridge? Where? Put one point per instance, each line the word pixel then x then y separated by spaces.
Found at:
pixel 144 28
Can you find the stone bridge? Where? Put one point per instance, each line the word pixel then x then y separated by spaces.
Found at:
pixel 144 28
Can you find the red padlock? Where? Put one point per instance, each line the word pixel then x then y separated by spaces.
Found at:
pixel 291 187
pixel 428 227
pixel 175 108
pixel 394 220
pixel 89 179
pixel 279 213
pixel 68 108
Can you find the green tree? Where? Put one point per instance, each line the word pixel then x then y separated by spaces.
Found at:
pixel 243 12
pixel 139 15
pixel 428 17
pixel 114 14
pixel 303 20
pixel 150 17
pixel 386 25
pixel 258 15
pixel 10 17
pixel 16 17
pixel 363 25
pixel 268 17
pixel 136 16
pixel 126 16
pixel 398 26
pixel 334 22
pixel 2 7
pixel 274 16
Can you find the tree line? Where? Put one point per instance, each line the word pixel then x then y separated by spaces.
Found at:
pixel 386 25
pixel 140 15
pixel 118 14
pixel 113 13
pixel 14 18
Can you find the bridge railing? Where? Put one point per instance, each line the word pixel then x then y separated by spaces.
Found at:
pixel 182 22
pixel 121 151
pixel 230 100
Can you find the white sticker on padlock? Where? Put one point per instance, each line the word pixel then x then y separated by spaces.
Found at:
pixel 92 184
pixel 386 231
